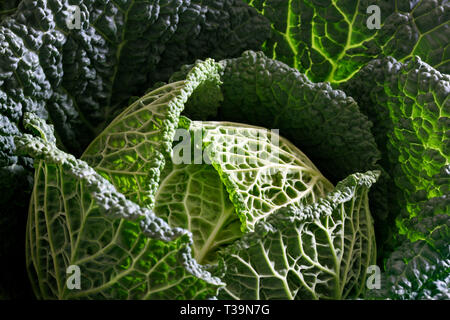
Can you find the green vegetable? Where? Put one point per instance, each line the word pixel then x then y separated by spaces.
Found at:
pixel 124 250
pixel 324 123
pixel 244 178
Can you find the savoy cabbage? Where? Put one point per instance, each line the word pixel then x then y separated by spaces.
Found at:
pixel 143 145
pixel 94 213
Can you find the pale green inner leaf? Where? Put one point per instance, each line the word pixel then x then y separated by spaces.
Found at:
pixel 261 170
pixel 193 197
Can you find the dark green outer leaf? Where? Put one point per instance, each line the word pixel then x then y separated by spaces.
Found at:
pixel 82 78
pixel 410 108
pixel 420 269
pixel 330 40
